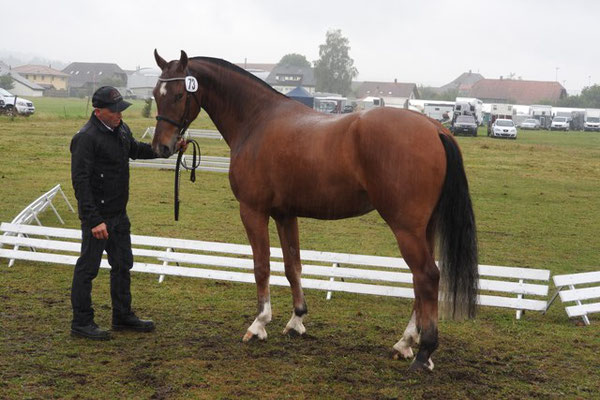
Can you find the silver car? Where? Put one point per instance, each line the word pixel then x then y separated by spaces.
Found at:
pixel 530 124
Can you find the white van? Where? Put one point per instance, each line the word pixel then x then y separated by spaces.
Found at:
pixel 559 124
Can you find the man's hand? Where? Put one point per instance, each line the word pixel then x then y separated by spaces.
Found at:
pixel 181 144
pixel 100 232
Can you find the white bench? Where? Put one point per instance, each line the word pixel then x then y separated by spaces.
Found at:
pixel 577 288
pixel 207 163
pixel 384 276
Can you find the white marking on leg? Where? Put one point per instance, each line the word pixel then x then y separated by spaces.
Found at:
pixel 163 89
pixel 409 338
pixel 296 324
pixel 258 326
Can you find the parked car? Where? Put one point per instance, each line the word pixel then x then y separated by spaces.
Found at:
pixel 560 124
pixel 530 124
pixel 592 124
pixel 465 124
pixel 504 128
pixel 21 106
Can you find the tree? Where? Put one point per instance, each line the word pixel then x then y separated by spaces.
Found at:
pixel 294 59
pixel 335 69
pixel 591 96
pixel 6 82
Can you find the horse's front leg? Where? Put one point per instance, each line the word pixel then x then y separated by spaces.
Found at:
pixel 287 228
pixel 256 224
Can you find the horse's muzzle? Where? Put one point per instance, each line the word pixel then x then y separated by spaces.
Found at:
pixel 163 151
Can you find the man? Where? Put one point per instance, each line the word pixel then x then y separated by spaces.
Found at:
pixel 100 174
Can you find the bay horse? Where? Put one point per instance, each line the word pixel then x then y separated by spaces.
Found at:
pixel 289 161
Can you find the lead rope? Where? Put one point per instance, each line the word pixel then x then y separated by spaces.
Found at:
pixel 181 162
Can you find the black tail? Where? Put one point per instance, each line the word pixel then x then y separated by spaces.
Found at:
pixel 455 223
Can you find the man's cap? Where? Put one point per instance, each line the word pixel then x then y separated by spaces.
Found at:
pixel 109 97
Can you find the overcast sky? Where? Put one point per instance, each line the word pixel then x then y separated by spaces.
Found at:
pixel 425 42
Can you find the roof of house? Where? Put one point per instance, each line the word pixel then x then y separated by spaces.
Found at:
pixel 464 82
pixel 307 76
pixel 256 66
pixel 386 89
pixel 518 91
pixel 82 73
pixel 143 78
pixel 39 70
pixel 6 70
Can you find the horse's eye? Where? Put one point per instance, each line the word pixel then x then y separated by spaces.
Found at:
pixel 178 97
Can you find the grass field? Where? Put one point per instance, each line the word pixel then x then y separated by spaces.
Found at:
pixel 536 204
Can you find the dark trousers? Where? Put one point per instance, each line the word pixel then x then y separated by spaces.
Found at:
pixel 120 258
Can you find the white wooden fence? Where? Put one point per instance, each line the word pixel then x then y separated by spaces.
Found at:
pixel 194 133
pixel 32 211
pixel 207 163
pixel 385 276
pixel 40 204
pixel 578 288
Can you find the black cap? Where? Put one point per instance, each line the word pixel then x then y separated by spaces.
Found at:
pixel 109 97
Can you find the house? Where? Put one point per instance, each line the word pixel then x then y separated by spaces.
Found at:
pixel 285 78
pixel 517 91
pixel 394 94
pixel 46 77
pixel 85 78
pixel 261 71
pixel 141 82
pixel 21 85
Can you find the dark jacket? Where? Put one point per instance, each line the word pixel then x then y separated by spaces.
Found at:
pixel 100 169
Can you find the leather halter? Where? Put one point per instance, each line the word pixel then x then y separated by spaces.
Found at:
pixel 185 121
pixel 183 125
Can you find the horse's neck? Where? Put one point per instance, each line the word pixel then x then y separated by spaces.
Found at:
pixel 234 102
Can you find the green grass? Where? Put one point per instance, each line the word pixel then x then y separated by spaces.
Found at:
pixel 536 206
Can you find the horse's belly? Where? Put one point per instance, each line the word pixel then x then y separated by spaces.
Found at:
pixel 326 205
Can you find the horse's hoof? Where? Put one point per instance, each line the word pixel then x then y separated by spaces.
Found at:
pixel 247 337
pixel 421 366
pixel 292 332
pixel 261 334
pixel 403 352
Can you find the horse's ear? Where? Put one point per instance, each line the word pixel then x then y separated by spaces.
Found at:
pixel 159 60
pixel 183 61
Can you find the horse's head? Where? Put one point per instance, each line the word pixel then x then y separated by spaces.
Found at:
pixel 177 105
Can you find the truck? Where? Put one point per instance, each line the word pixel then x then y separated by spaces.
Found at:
pixel 370 102
pixel 542 113
pixel 438 110
pixel 330 104
pixel 468 106
pixel 592 120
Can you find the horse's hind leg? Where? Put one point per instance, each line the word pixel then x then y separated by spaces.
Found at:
pixel 287 228
pixel 410 337
pixel 256 224
pixel 417 254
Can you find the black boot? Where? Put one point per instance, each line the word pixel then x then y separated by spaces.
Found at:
pixel 132 323
pixel 91 331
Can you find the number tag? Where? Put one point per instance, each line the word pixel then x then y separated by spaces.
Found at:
pixel 191 84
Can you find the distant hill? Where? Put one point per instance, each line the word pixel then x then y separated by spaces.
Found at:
pixel 14 59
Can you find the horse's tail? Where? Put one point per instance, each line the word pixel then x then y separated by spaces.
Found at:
pixel 455 223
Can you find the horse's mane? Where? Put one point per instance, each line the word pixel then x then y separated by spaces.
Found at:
pixel 234 68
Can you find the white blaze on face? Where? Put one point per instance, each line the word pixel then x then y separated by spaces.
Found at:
pixel 163 89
